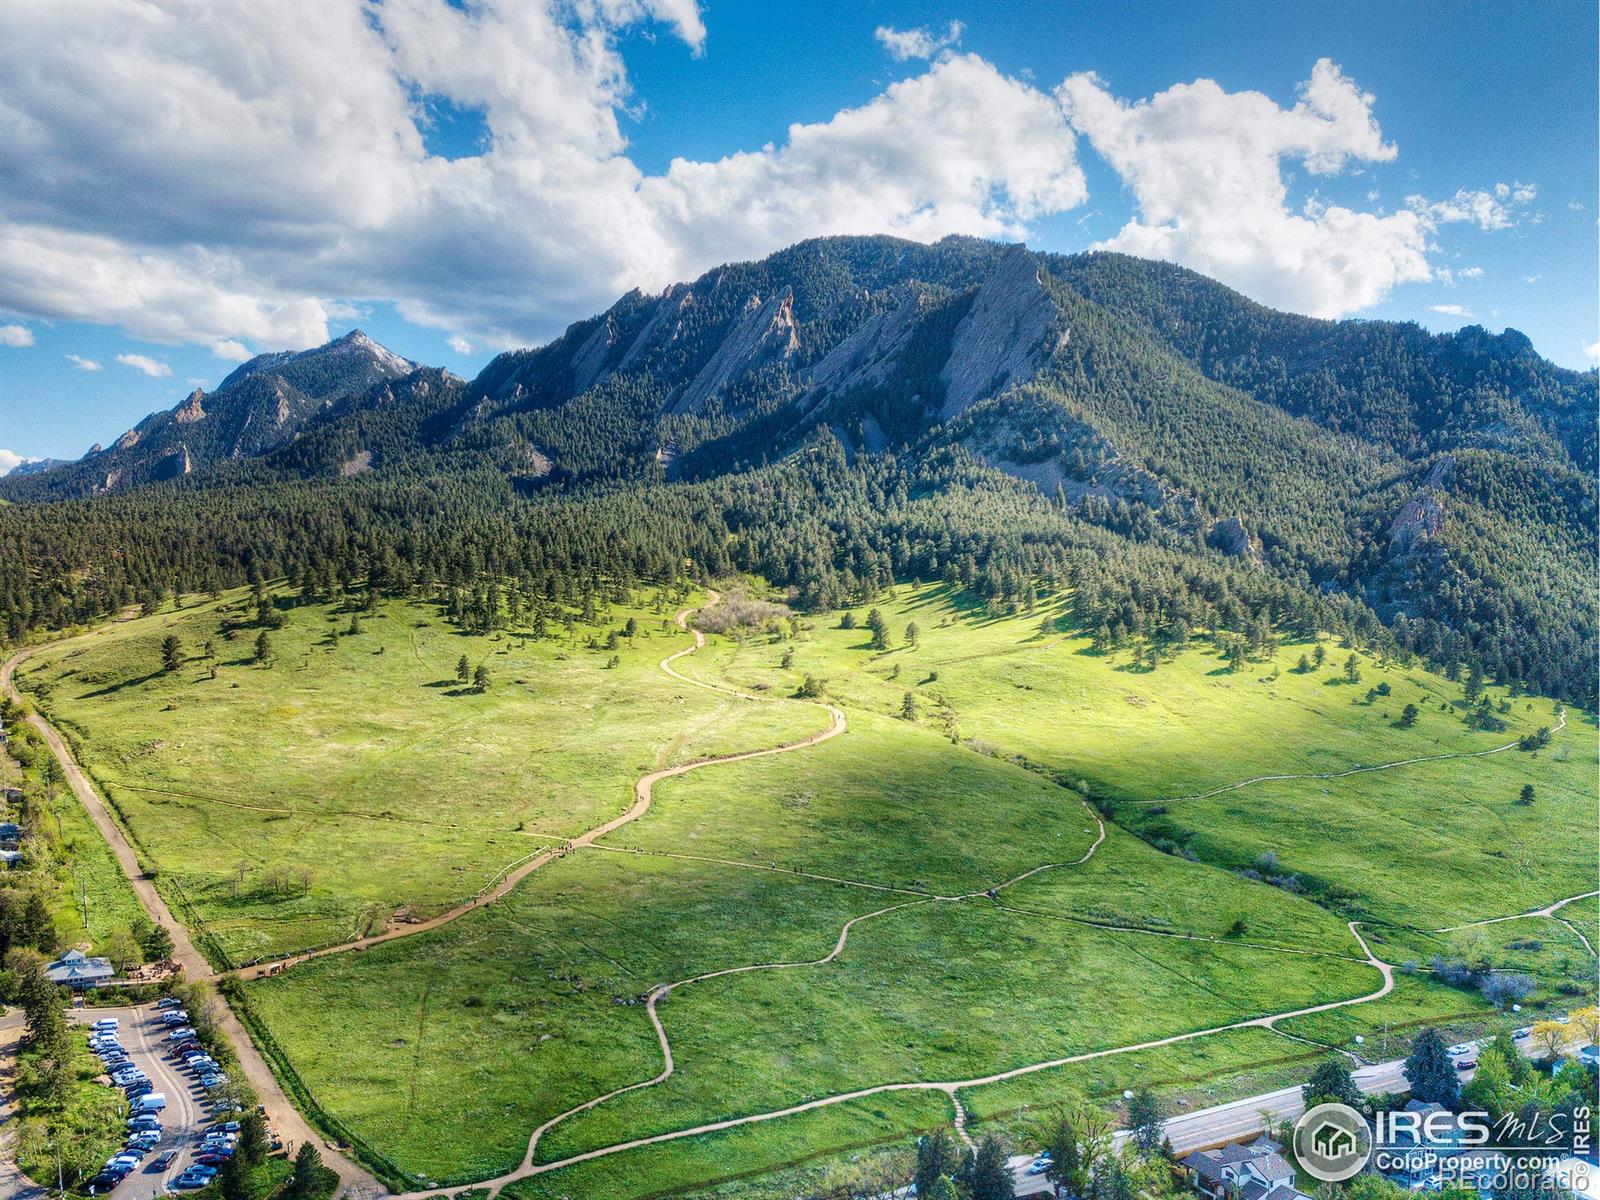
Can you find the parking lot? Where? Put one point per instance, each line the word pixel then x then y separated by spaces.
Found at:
pixel 146 1045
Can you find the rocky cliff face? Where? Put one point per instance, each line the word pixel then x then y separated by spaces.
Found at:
pixel 1003 339
pixel 1421 518
pixel 259 407
pixel 765 336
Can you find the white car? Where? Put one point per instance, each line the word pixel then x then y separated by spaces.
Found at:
pixel 1461 1048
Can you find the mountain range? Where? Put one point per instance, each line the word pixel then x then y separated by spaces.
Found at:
pixel 1445 482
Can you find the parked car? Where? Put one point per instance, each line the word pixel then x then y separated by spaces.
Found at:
pixel 1039 1165
pixel 144 1121
pixel 164 1160
pixel 1466 1064
pixel 1519 1034
pixel 169 1002
pixel 1459 1049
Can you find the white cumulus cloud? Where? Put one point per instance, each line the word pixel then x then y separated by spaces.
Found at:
pixel 906 44
pixel 1449 310
pixel 230 351
pixel 10 460
pixel 1206 169
pixel 239 175
pixel 1488 210
pixel 83 364
pixel 15 335
pixel 460 344
pixel 150 366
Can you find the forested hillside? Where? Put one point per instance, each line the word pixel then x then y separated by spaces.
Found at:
pixel 853 410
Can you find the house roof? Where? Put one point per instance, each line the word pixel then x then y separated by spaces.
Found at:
pixel 1261 1155
pixel 1272 1166
pixel 76 967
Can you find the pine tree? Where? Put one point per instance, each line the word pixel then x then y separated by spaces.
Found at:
pixel 263 647
pixel 880 630
pixel 307 1172
pixel 1144 1119
pixel 1430 1072
pixel 936 1159
pixel 908 706
pixel 463 669
pixel 480 678
pixel 1331 1080
pixel 171 652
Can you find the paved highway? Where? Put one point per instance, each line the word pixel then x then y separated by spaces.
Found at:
pixel 1240 1119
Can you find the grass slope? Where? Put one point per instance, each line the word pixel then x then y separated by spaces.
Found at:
pixel 351 751
pixel 444 1051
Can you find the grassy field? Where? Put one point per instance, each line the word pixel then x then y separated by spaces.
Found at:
pixel 355 750
pixel 1410 846
pixel 442 1052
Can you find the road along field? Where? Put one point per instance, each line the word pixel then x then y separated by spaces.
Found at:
pixel 769 937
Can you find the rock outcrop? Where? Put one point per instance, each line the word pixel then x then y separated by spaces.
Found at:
pixel 1003 338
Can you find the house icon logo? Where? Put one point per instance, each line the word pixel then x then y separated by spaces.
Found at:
pixel 1332 1142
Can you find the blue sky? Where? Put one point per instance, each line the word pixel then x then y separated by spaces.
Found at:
pixel 468 179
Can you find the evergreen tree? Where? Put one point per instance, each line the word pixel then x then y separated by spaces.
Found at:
pixel 1144 1120
pixel 1331 1080
pixel 253 1144
pixel 1065 1161
pixel 463 669
pixel 171 652
pixel 480 678
pixel 880 630
pixel 936 1159
pixel 263 647
pixel 1408 716
pixel 307 1172
pixel 1430 1072
pixel 908 706
pixel 990 1180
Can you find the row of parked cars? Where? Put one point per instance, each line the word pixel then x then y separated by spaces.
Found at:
pixel 145 1104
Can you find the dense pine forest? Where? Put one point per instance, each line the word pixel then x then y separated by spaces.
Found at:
pixel 854 411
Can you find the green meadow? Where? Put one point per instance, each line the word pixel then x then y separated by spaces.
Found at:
pixel 353 778
pixel 964 798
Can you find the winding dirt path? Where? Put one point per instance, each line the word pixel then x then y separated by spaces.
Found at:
pixel 643 795
pixel 1549 910
pixel 949 1087
pixel 1561 723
